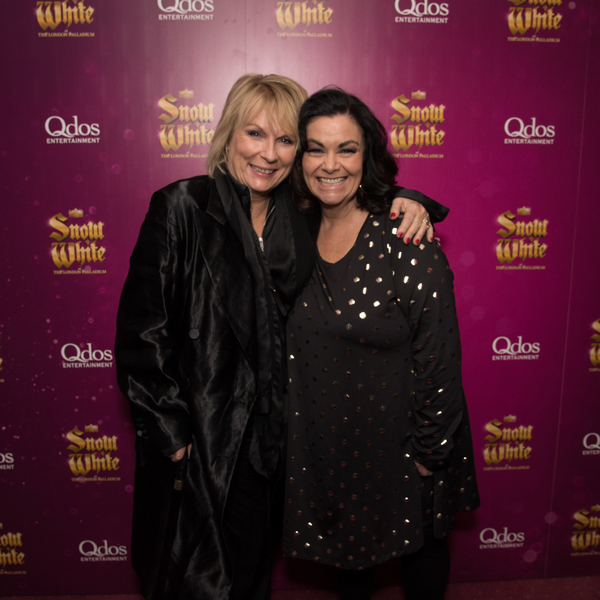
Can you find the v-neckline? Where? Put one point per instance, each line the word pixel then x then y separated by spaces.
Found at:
pixel 368 217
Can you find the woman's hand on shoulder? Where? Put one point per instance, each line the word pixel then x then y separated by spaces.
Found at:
pixel 415 222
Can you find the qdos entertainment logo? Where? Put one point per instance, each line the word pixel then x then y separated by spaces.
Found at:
pixel 519 132
pixel 7 461
pixel 84 356
pixel 90 551
pixel 61 132
pixel 505 349
pixel 591 444
pixel 413 11
pixel 492 539
pixel 186 10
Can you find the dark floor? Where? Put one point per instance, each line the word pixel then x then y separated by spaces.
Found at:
pixel 573 588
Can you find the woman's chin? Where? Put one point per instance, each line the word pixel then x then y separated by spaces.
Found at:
pixel 334 201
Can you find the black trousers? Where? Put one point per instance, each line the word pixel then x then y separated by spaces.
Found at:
pixel 252 524
pixel 424 572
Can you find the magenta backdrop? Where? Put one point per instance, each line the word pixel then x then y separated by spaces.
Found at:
pixel 491 107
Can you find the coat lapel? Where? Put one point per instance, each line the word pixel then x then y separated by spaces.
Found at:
pixel 221 248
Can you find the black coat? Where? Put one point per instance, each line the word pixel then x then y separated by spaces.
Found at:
pixel 186 356
pixel 186 360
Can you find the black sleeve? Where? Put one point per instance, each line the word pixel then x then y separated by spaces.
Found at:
pixel 149 324
pixel 424 284
pixel 437 212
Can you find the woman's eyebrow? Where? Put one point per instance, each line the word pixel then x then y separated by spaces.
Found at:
pixel 255 125
pixel 340 145
pixel 349 142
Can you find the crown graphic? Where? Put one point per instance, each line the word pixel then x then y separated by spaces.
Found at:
pixel 418 95
pixel 510 419
pixel 76 213
pixel 596 508
pixel 186 94
pixel 91 428
pixel 525 211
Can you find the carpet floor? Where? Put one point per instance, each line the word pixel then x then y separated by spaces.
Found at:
pixel 568 588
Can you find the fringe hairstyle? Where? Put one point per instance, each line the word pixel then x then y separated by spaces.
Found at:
pixel 280 96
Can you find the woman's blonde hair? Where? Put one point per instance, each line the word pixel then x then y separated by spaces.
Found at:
pixel 280 96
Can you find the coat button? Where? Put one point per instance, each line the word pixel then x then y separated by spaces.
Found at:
pixel 194 334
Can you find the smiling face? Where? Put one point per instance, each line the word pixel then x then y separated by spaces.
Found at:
pixel 261 156
pixel 333 162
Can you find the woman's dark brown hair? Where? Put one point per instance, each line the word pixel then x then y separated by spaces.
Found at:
pixel 378 182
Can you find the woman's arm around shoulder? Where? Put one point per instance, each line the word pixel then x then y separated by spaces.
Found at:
pixel 418 213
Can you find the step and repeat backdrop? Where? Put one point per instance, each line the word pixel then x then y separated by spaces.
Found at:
pixel 491 108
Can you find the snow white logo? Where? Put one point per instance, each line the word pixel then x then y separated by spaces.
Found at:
pixel 595 348
pixel 527 19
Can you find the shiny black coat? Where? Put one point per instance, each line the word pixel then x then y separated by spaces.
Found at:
pixel 186 360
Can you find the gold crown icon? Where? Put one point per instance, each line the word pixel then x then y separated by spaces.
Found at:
pixel 525 211
pixel 596 508
pixel 510 419
pixel 186 94
pixel 418 95
pixel 76 213
pixel 91 428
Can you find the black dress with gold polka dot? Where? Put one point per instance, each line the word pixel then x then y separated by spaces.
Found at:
pixel 375 384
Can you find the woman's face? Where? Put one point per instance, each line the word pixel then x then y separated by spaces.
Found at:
pixel 261 157
pixel 333 162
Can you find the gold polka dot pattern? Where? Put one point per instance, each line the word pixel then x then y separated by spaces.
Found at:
pixel 375 384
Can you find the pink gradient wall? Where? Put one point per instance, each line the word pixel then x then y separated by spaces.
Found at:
pixel 491 106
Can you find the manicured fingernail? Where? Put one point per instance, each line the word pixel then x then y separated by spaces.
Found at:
pixel 417 242
pixel 407 240
pixel 400 234
pixel 393 216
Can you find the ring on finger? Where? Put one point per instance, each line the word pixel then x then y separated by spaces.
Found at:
pixel 427 223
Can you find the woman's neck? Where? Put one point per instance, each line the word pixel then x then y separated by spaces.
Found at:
pixel 340 226
pixel 259 206
pixel 334 216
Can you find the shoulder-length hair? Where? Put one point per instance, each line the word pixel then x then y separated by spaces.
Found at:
pixel 378 182
pixel 280 96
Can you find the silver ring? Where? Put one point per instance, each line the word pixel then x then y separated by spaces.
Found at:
pixel 426 221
